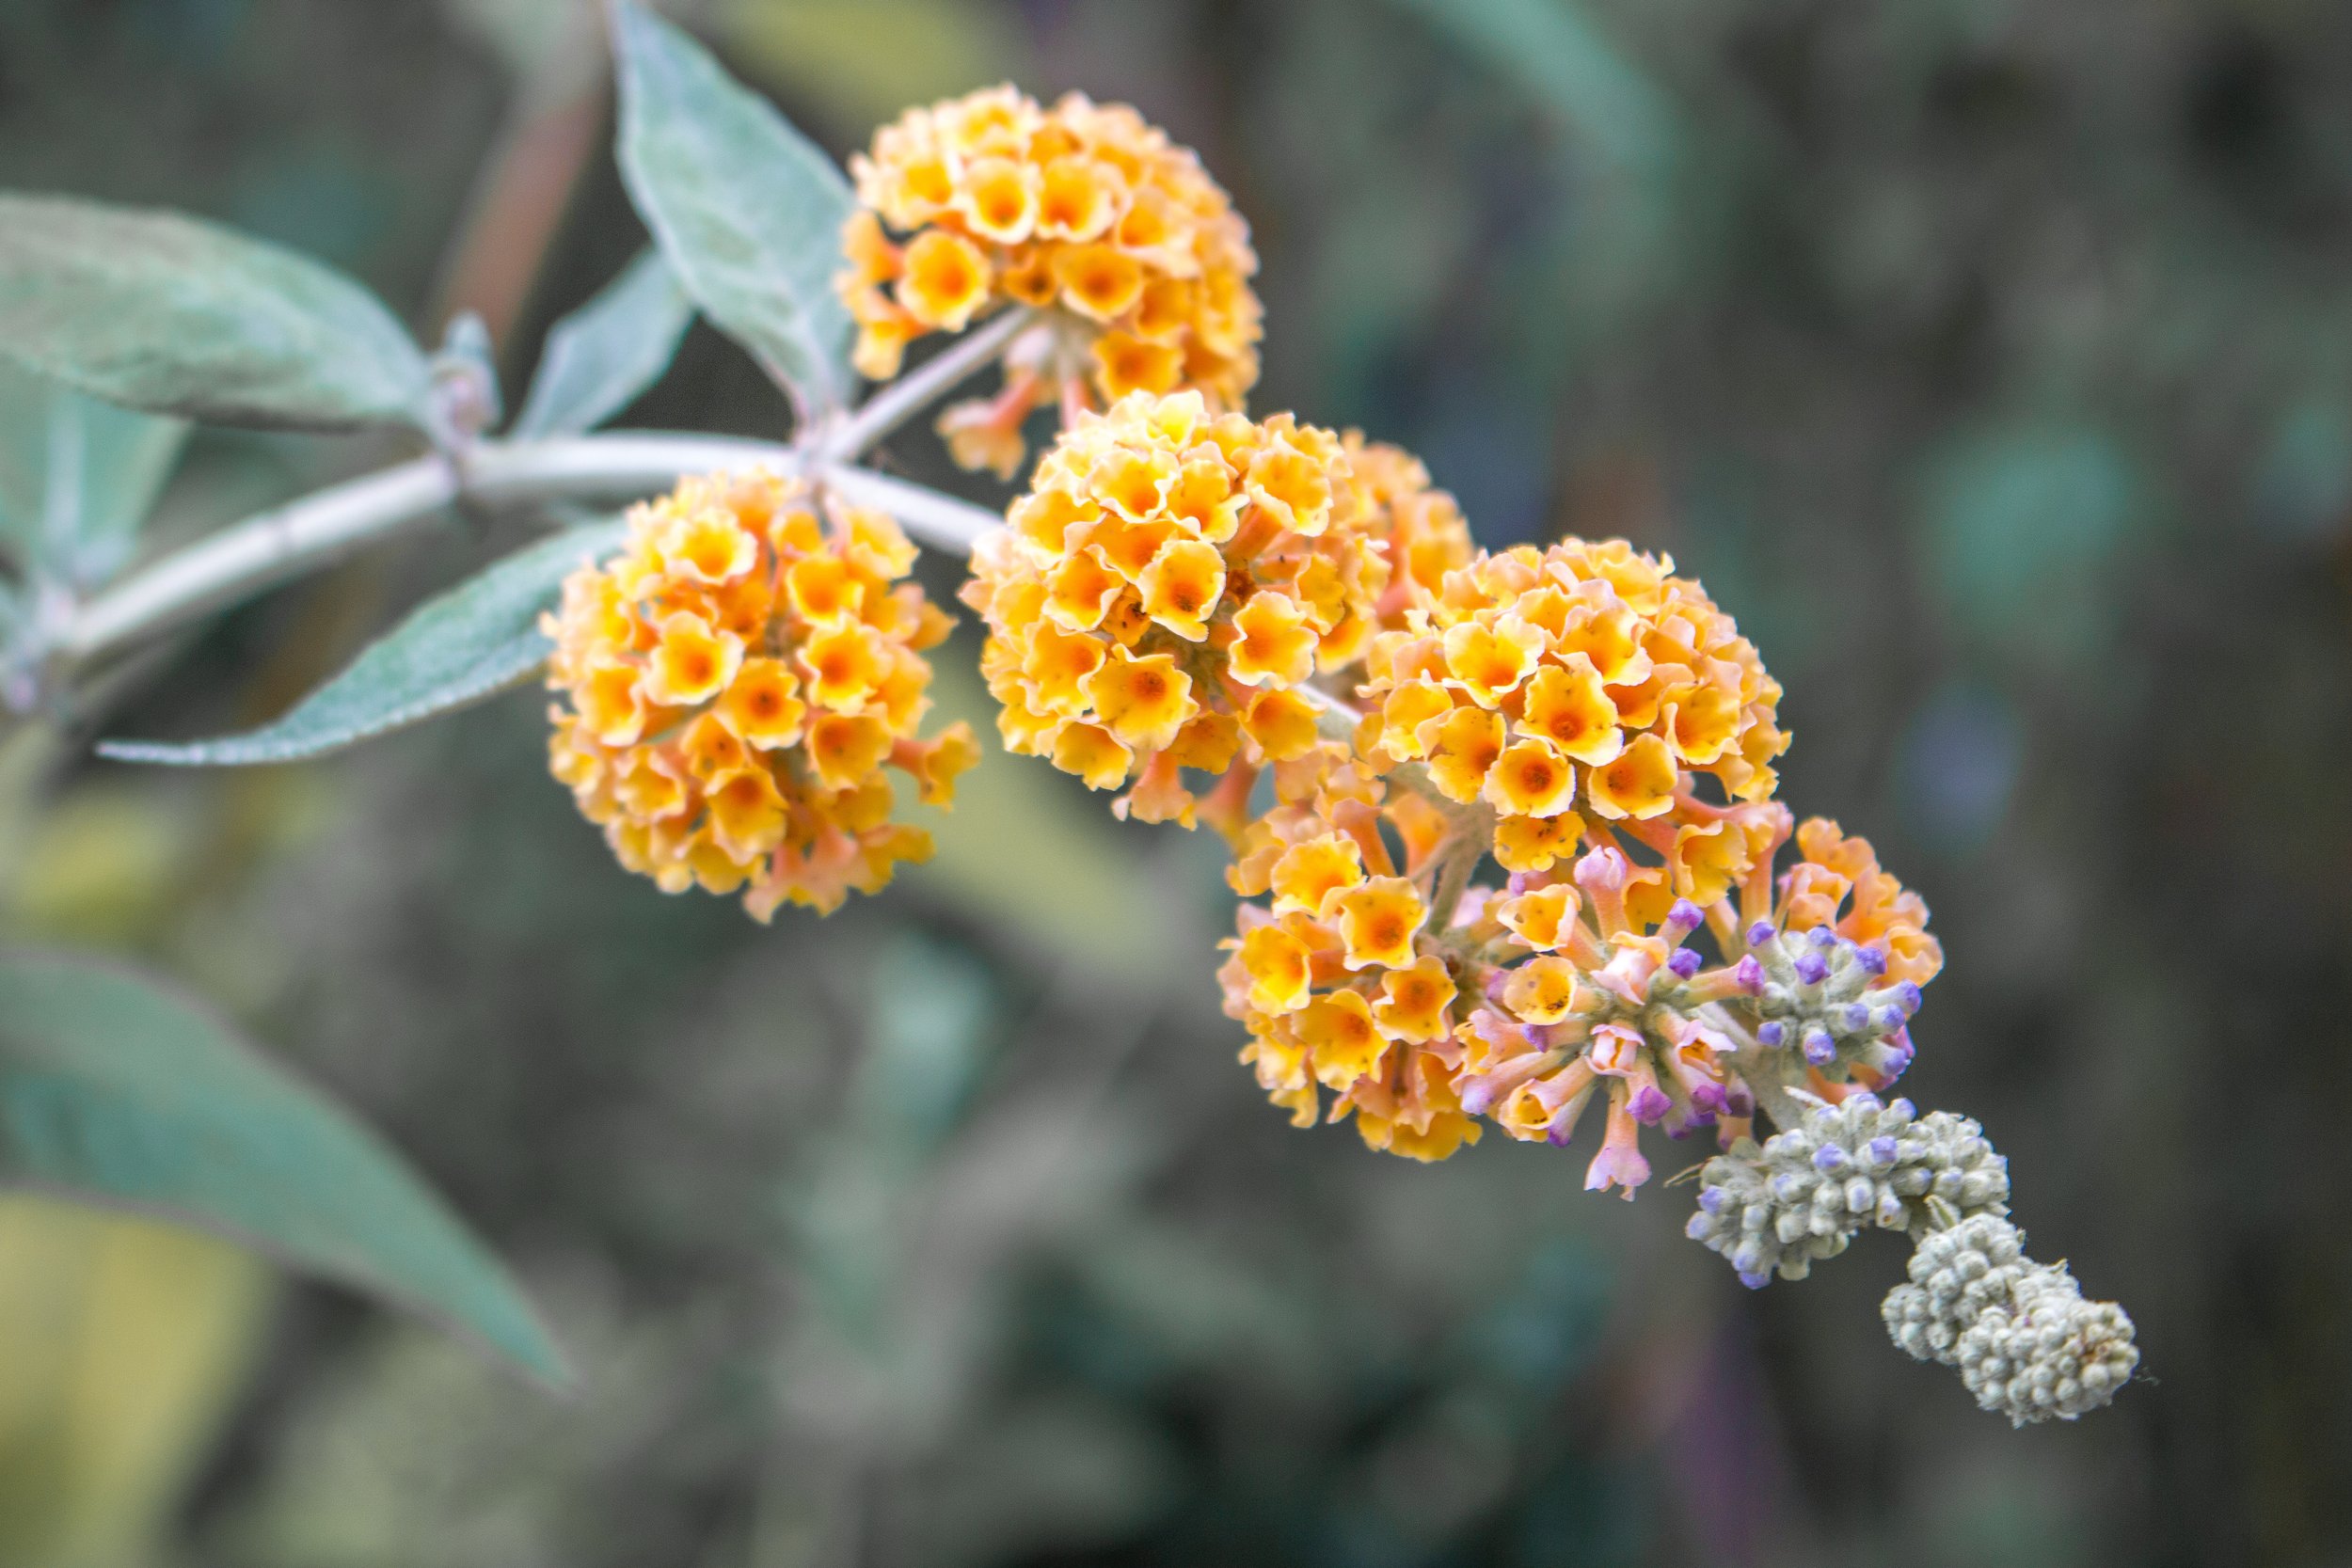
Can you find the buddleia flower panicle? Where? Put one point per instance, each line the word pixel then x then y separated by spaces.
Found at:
pixel 1157 599
pixel 1082 210
pixel 1381 713
pixel 735 685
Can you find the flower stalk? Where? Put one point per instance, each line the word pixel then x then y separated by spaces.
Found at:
pixel 228 567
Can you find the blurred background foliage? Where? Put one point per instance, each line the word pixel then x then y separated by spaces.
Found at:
pixel 1988 359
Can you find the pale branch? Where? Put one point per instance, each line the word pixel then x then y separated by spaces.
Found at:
pixel 237 563
pixel 902 400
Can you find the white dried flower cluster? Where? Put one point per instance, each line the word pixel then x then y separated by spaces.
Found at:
pixel 1805 1194
pixel 2025 1341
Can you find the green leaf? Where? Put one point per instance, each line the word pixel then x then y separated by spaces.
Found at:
pixel 1554 51
pixel 475 640
pixel 77 476
pixel 117 1091
pixel 603 355
pixel 748 211
pixel 162 312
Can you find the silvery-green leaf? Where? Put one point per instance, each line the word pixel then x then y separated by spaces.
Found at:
pixel 474 642
pixel 747 210
pixel 159 312
pixel 117 1091
pixel 467 367
pixel 77 477
pixel 603 355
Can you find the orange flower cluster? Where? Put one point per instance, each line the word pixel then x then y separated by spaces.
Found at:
pixel 1082 210
pixel 1342 981
pixel 1421 526
pixel 735 682
pixel 1585 677
pixel 1169 583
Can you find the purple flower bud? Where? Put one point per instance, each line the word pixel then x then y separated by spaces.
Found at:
pixel 1828 1157
pixel 1495 985
pixel 1649 1103
pixel 1907 997
pixel 1686 915
pixel 1873 958
pixel 1748 975
pixel 1883 1151
pixel 1770 1033
pixel 1818 1048
pixel 1854 1017
pixel 1756 1281
pixel 1864 1102
pixel 1708 1096
pixel 1759 933
pixel 1739 1100
pixel 1711 1200
pixel 1517 884
pixel 1887 1019
pixel 1820 936
pixel 1478 1096
pixel 1903 1108
pixel 1684 962
pixel 1813 969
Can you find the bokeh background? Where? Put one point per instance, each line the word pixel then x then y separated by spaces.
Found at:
pixel 1990 359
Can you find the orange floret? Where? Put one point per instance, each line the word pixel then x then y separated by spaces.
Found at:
pixel 732 684
pixel 1133 255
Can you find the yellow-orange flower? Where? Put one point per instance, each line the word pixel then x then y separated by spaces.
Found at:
pixel 1133 254
pixel 1377 921
pixel 1421 525
pixel 733 684
pixel 1595 652
pixel 1170 565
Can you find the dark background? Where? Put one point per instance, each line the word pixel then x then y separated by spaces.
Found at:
pixel 1988 360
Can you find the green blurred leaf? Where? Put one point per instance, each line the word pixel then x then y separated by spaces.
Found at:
pixel 162 312
pixel 603 355
pixel 1553 50
pixel 748 211
pixel 77 477
pixel 859 62
pixel 475 640
pixel 2024 525
pixel 116 1091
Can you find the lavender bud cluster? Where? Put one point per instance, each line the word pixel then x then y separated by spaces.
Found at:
pixel 1828 999
pixel 1806 1192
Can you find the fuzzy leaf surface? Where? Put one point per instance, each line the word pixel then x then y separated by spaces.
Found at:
pixel 747 210
pixel 477 640
pixel 118 1091
pixel 77 476
pixel 162 312
pixel 603 355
